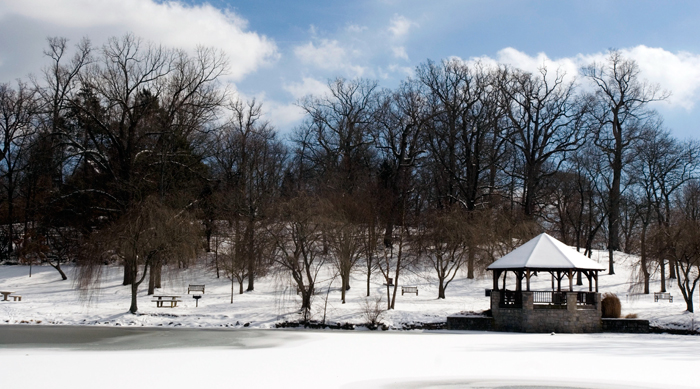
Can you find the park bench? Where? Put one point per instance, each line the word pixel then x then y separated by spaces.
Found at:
pixel 663 296
pixel 16 297
pixel 195 288
pixel 170 300
pixel 409 289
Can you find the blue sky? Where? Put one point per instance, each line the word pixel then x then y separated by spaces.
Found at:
pixel 281 50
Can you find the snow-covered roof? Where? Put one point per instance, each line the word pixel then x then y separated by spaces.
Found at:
pixel 545 252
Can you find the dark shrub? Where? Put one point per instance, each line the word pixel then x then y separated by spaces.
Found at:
pixel 611 306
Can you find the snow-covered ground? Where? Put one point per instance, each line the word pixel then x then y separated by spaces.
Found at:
pixel 48 300
pixel 115 351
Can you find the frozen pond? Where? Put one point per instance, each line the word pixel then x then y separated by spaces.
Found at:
pixel 109 357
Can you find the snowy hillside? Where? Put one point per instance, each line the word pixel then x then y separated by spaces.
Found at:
pixel 48 300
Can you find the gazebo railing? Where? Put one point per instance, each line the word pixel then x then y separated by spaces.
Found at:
pixel 549 298
pixel 511 299
pixel 585 298
pixel 546 299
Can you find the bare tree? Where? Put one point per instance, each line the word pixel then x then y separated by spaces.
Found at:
pixel 135 124
pixel 461 121
pixel 397 258
pixel 444 242
pixel 234 259
pixel 401 121
pixel 248 160
pixel 297 238
pixel 370 246
pixel 661 167
pixel 621 110
pixel 345 240
pixel 546 121
pixel 336 139
pixel 680 241
pixel 146 237
pixel 60 87
pixel 18 115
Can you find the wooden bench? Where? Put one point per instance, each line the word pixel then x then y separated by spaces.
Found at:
pixel 409 289
pixel 195 288
pixel 16 297
pixel 170 300
pixel 663 296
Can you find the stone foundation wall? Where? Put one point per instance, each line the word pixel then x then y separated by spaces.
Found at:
pixel 470 323
pixel 633 326
pixel 532 318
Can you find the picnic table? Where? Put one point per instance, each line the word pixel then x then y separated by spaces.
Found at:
pixel 5 295
pixel 172 301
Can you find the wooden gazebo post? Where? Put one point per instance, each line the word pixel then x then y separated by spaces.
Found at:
pixel 527 278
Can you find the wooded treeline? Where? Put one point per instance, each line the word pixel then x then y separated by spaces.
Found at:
pixel 136 154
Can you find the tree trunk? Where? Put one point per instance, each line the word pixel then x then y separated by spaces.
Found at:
pixel 208 232
pixel 614 216
pixel 388 296
pixel 129 275
pixel 10 210
pixel 159 271
pixel 232 284
pixel 369 274
pixel 643 261
pixel 441 288
pixel 154 277
pixel 662 266
pixel 343 287
pixel 216 255
pixel 306 298
pixel 57 266
pixel 250 256
pixel 151 280
pixel 529 189
pixel 134 292
pixel 672 269
pixel 470 262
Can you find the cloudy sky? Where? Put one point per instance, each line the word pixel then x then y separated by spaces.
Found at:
pixel 282 50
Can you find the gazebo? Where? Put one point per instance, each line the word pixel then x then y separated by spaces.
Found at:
pixel 551 310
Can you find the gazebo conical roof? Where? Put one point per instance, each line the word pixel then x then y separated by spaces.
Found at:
pixel 543 252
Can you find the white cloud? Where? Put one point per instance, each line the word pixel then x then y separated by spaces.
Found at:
pixel 356 29
pixel 405 70
pixel 283 116
pixel 399 26
pixel 678 73
pixel 400 52
pixel 308 86
pixel 329 55
pixel 170 23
